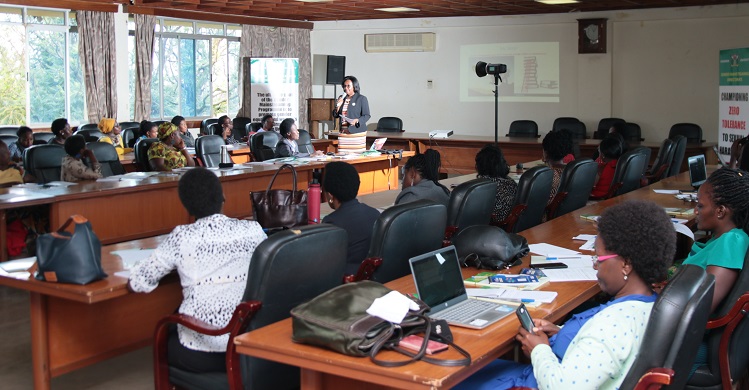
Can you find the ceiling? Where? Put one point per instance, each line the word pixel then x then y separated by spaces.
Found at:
pixel 365 9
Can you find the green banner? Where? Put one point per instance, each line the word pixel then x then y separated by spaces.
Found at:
pixel 734 67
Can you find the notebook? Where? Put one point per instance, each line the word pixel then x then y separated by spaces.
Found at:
pixel 439 283
pixel 697 170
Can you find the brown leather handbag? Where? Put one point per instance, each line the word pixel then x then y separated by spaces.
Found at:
pixel 280 208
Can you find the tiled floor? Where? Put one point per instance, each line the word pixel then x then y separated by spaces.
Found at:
pixel 132 371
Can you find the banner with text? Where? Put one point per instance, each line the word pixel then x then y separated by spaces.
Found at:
pixel 734 98
pixel 274 86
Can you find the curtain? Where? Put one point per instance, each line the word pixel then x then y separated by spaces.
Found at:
pixel 280 42
pixel 144 39
pixel 97 51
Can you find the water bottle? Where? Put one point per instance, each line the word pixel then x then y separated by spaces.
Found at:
pixel 313 202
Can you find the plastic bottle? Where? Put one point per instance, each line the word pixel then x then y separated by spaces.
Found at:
pixel 313 202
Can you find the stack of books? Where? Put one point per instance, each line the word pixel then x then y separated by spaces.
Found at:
pixel 352 143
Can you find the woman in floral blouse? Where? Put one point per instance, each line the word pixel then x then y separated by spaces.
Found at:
pixel 170 152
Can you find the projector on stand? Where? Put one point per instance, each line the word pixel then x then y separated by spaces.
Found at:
pixel 440 133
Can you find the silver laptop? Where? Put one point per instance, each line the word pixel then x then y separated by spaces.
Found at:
pixel 697 170
pixel 439 283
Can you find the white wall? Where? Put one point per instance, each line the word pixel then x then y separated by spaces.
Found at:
pixel 660 68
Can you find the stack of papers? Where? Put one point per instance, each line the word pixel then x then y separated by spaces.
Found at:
pixel 579 267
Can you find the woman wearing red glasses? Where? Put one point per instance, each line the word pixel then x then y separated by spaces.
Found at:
pixel 634 248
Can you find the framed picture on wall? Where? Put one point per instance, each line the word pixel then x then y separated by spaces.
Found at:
pixel 591 36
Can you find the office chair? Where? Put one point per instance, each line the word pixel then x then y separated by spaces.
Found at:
pixel 253 127
pixel 204 125
pixel 129 125
pixel 305 142
pixel 662 162
pixel 91 135
pixel 9 130
pixel 402 232
pixel 632 133
pixel 561 122
pixel 239 130
pixel 141 153
pixel 692 131
pixel 523 128
pixel 8 138
pixel 129 136
pixel 263 145
pixel 628 173
pixel 680 148
pixel 287 269
pixel 43 137
pixel 44 162
pixel 675 328
pixel 578 179
pixel 215 129
pixel 471 203
pixel 577 130
pixel 389 124
pixel 604 125
pixel 87 126
pixel 107 156
pixel 208 150
pixel 531 197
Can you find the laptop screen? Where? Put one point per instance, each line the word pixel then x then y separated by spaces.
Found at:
pixel 437 276
pixel 697 170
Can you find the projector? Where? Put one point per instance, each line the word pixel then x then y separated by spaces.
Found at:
pixel 440 133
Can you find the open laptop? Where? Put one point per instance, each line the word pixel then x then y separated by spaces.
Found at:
pixel 439 283
pixel 697 170
pixel 378 144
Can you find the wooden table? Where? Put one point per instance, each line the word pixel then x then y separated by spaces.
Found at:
pixel 323 369
pixel 459 151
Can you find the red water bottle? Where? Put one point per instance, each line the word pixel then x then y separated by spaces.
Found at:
pixel 313 202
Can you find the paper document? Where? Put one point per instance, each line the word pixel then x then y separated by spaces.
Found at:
pixel 511 295
pixel 572 274
pixel 549 250
pixel 131 256
pixel 581 261
pixel 683 229
pixel 18 265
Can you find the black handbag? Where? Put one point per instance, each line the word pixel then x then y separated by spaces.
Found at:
pixel 490 247
pixel 337 320
pixel 280 208
pixel 70 258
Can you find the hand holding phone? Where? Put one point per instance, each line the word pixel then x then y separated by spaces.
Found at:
pixel 525 318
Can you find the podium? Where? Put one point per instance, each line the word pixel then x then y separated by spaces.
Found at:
pixel 319 109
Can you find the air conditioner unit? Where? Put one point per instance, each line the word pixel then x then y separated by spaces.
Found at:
pixel 399 42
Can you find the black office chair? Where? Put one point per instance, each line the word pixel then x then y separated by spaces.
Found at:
pixel 680 148
pixel 9 130
pixel 471 203
pixel 208 150
pixel 240 127
pixel 43 137
pixel 675 328
pixel 692 131
pixel 604 125
pixel 263 145
pixel 159 122
pixel 578 179
pixel 44 162
pixel 8 138
pixel 287 269
pixel 662 162
pixel 107 156
pixel 632 133
pixel 204 125
pixel 91 135
pixel 402 232
pixel 215 129
pixel 253 127
pixel 129 136
pixel 129 125
pixel 389 124
pixel 727 339
pixel 561 122
pixel 305 142
pixel 647 152
pixel 88 126
pixel 628 173
pixel 531 197
pixel 577 130
pixel 141 153
pixel 523 128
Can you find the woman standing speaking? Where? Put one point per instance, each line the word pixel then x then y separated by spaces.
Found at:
pixel 352 107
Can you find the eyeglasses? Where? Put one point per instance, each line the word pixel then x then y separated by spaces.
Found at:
pixel 347 86
pixel 600 259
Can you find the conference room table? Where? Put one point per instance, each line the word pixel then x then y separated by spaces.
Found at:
pixel 459 150
pixel 324 369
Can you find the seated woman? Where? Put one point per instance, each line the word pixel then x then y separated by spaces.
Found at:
pixel 147 129
pixel 170 152
pixel 556 145
pixel 61 129
pixel 10 174
pixel 288 147
pixel 596 348
pixel 420 179
pixel 211 256
pixel 491 164
pixel 181 124
pixel 341 184
pixel 74 168
pixel 227 127
pixel 610 150
pixel 112 130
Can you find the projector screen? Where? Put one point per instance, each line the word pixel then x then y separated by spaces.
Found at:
pixel 532 72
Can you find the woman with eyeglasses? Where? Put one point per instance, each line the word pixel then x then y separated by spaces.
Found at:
pixel 596 348
pixel 352 107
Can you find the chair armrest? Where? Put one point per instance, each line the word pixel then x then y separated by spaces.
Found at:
pixel 730 321
pixel 509 223
pixel 656 176
pixel 367 268
pixel 552 207
pixel 655 378
pixel 238 322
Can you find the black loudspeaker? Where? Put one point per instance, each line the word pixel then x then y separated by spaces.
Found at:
pixel 336 70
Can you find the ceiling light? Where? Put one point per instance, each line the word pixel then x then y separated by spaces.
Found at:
pixel 556 2
pixel 398 9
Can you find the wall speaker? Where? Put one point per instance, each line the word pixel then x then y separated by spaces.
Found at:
pixel 336 70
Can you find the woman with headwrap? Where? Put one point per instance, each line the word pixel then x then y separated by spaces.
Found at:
pixel 112 130
pixel 170 152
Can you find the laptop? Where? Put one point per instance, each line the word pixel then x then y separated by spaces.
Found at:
pixel 439 283
pixel 378 144
pixel 697 170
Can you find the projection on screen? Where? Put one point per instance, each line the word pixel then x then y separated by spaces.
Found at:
pixel 532 72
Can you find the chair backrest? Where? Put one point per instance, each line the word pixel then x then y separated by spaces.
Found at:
pixel 215 129
pixel 91 135
pixel 578 179
pixel 629 170
pixel 534 188
pixel 604 125
pixel 561 122
pixel 404 231
pixel 44 162
pixel 263 145
pixel 523 128
pixel 577 129
pixel 141 153
pixel 680 147
pixel 691 131
pixel 389 124
pixel 471 203
pixel 208 149
pixel 287 269
pixel 676 325
pixel 204 125
pixel 663 159
pixel 9 130
pixel 239 130
pixel 129 136
pixel 253 127
pixel 129 125
pixel 158 123
pixel 43 137
pixel 8 138
pixel 107 156
pixel 632 133
pixel 305 142
pixel 87 126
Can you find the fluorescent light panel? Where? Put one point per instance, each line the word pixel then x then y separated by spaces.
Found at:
pixel 398 9
pixel 556 2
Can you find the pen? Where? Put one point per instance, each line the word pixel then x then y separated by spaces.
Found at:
pixel 563 257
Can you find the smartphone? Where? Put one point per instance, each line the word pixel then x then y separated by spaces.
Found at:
pixel 413 342
pixel 549 265
pixel 525 318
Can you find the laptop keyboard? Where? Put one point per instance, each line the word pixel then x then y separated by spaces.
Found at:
pixel 464 312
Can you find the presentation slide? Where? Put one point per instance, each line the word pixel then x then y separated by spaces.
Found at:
pixel 532 72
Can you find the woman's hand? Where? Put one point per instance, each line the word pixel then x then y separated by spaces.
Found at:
pixel 179 143
pixel 353 121
pixel 339 103
pixel 318 153
pixel 528 341
pixel 548 327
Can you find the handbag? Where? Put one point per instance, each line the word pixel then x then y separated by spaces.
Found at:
pixel 280 208
pixel 337 320
pixel 70 258
pixel 490 247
